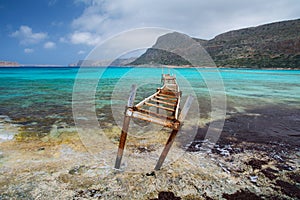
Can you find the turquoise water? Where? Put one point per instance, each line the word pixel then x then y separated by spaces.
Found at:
pixel 44 95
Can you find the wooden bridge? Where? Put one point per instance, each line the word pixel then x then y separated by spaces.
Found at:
pixel 165 98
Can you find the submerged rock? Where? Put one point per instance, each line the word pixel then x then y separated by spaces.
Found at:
pixel 242 194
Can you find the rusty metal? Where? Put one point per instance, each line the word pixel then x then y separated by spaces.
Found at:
pixel 168 95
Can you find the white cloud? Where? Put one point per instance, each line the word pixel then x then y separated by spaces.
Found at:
pixel 63 40
pixel 81 52
pixel 28 50
pixel 52 2
pixel 49 45
pixel 86 38
pixel 57 23
pixel 26 36
pixel 204 19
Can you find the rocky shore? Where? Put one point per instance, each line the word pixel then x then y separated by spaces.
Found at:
pixel 257 157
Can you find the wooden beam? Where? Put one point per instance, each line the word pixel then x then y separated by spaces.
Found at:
pixel 163 122
pixel 167 95
pixel 177 108
pixel 161 107
pixel 166 150
pixel 146 99
pixel 125 127
pixel 164 98
pixel 163 102
pixel 122 142
pixel 155 114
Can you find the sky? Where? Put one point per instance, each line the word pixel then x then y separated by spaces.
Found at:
pixel 60 32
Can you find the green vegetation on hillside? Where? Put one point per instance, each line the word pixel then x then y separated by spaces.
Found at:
pixel 275 45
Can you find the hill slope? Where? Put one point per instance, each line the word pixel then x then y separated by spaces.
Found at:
pixel 268 46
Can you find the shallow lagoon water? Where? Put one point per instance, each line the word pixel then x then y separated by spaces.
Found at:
pixel 44 95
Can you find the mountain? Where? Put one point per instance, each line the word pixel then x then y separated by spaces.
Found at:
pixel 175 49
pixel 275 45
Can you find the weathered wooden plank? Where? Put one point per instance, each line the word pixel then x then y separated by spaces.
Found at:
pixel 163 122
pixel 167 95
pixel 146 99
pixel 155 114
pixel 166 99
pixel 166 150
pixel 163 102
pixel 161 107
pixel 177 108
pixel 122 141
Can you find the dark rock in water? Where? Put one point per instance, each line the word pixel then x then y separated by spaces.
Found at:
pixel 270 173
pixel 295 177
pixel 242 194
pixel 289 189
pixel 263 129
pixel 166 196
pixel 285 167
pixel 256 164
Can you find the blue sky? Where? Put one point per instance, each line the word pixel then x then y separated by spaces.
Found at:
pixel 64 31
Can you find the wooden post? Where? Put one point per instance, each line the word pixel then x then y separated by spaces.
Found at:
pixel 166 150
pixel 171 139
pixel 157 103
pixel 125 127
pixel 123 138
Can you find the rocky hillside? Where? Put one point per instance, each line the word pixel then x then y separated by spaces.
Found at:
pixel 275 45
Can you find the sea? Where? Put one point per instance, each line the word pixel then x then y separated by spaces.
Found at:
pixel 38 97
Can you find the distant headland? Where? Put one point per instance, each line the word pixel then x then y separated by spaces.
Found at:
pixel 9 64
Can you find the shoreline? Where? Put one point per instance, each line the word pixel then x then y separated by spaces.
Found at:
pixel 149 66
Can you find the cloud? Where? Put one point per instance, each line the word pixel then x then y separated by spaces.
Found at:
pixel 26 36
pixel 86 38
pixel 204 19
pixel 81 52
pixel 28 50
pixel 63 40
pixel 52 2
pixel 49 45
pixel 57 23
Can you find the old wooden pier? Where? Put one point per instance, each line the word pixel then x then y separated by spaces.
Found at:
pixel 165 98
